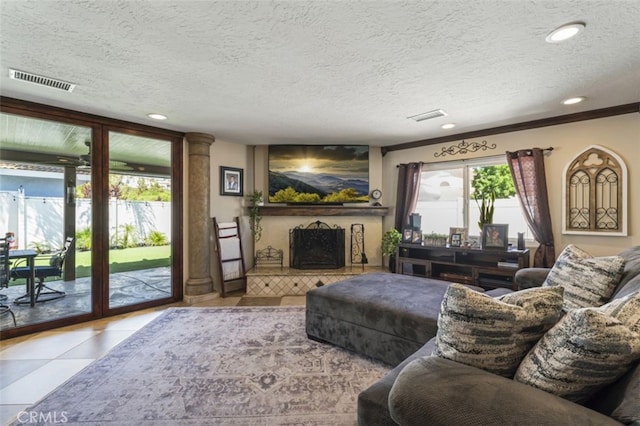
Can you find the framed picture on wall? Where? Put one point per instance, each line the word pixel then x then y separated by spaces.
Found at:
pixel 495 237
pixel 231 181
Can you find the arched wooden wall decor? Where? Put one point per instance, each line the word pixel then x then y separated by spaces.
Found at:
pixel 595 194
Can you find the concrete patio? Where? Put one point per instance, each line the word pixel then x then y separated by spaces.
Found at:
pixel 125 288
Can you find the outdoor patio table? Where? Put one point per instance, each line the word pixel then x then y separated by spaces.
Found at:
pixel 30 256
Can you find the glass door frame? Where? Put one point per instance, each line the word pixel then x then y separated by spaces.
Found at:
pixel 100 228
pixel 101 256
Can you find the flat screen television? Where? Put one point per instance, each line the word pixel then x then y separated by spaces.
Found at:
pixel 318 174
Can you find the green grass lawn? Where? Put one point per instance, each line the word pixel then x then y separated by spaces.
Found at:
pixel 129 259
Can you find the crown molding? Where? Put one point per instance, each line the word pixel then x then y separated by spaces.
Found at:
pixel 527 125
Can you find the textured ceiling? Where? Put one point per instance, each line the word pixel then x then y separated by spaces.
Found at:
pixel 262 72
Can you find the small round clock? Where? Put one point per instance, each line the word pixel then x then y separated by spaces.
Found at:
pixel 376 194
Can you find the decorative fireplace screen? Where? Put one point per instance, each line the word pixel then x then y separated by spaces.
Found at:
pixel 318 246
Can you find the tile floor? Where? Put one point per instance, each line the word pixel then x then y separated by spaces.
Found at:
pixel 32 366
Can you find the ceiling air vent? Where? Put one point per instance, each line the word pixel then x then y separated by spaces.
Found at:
pixel 429 115
pixel 40 80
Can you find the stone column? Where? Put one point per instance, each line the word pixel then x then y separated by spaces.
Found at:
pixel 199 193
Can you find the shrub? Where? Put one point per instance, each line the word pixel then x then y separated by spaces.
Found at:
pixel 83 239
pixel 156 238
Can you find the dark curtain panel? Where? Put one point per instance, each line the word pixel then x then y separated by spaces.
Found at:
pixel 407 194
pixel 527 171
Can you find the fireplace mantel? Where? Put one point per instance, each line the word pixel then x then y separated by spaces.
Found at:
pixel 281 210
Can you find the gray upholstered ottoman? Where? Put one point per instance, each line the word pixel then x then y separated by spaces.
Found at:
pixel 382 315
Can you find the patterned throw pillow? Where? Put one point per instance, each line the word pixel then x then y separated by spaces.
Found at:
pixel 588 349
pixel 588 281
pixel 494 334
pixel 626 310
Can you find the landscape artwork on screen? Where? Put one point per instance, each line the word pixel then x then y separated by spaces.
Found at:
pixel 318 174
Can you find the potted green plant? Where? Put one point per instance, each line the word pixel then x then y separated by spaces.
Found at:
pixel 256 200
pixel 390 241
pixel 486 206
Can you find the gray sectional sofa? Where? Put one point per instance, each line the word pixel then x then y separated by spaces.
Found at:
pixel 382 315
pixel 393 318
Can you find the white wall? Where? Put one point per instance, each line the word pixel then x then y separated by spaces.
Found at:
pixel 621 134
pixel 225 207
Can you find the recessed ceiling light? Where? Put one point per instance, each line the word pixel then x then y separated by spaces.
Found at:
pixel 564 32
pixel 157 116
pixel 575 100
pixel 448 126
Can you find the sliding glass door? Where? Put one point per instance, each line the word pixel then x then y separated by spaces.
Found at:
pixel 46 199
pixel 109 189
pixel 140 219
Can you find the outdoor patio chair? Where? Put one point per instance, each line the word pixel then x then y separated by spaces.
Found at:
pixel 54 269
pixel 4 278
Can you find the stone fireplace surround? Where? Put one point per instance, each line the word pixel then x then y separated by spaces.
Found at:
pixel 278 220
pixel 276 282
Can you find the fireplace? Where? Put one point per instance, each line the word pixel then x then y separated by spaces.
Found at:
pixel 318 246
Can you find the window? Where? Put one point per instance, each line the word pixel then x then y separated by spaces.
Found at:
pixel 64 174
pixel 446 197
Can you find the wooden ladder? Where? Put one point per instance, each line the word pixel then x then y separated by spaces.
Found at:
pixel 230 254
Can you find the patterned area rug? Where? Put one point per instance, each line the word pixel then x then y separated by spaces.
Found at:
pixel 218 366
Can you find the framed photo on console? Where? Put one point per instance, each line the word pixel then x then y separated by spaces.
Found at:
pixel 407 234
pixel 416 236
pixel 463 235
pixel 495 236
pixel 456 240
